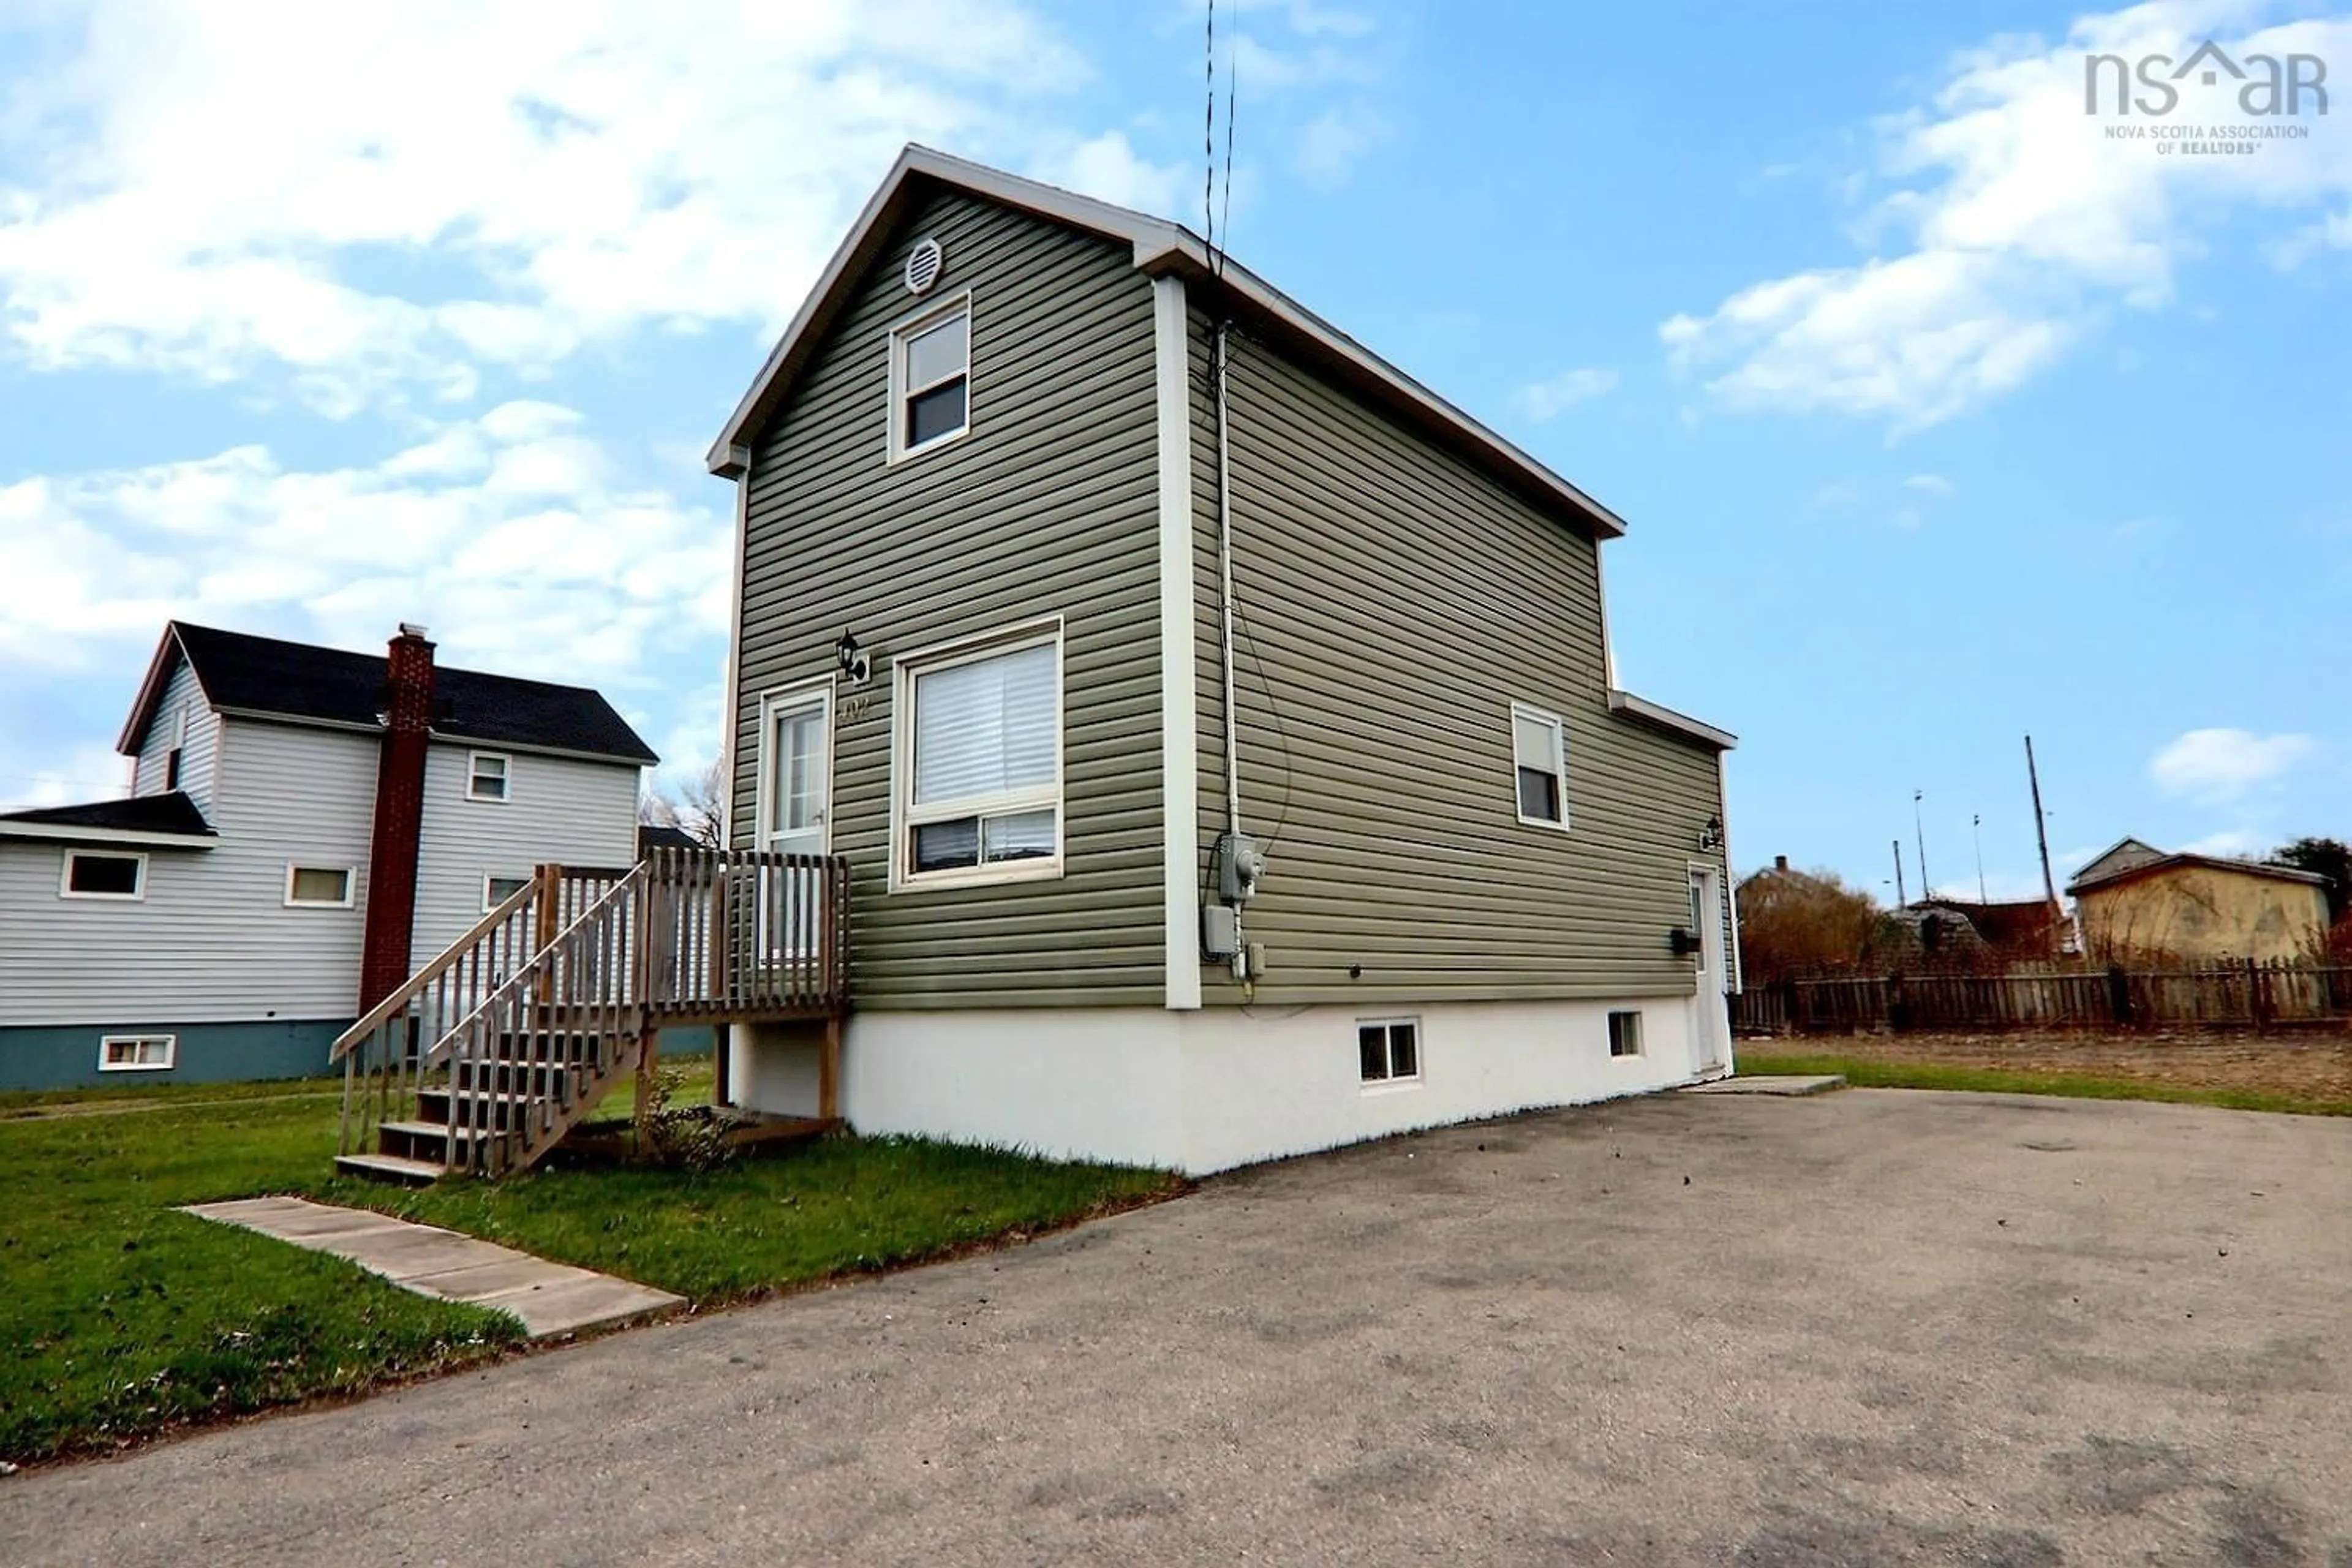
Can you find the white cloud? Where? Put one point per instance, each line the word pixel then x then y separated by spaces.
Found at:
pixel 1544 400
pixel 510 536
pixel 2019 220
pixel 1108 168
pixel 2242 842
pixel 86 773
pixel 1330 145
pixel 380 198
pixel 1935 485
pixel 2223 764
pixel 1837 493
pixel 1907 519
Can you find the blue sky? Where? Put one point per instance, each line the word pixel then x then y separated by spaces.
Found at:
pixel 1939 415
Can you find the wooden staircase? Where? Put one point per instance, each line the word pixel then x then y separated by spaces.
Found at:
pixel 484 1059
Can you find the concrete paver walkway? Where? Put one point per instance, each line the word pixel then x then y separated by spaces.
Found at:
pixel 1771 1083
pixel 549 1298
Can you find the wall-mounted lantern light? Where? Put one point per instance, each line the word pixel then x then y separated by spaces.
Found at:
pixel 857 664
pixel 1711 836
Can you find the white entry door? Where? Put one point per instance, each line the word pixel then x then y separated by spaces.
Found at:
pixel 1711 1021
pixel 795 818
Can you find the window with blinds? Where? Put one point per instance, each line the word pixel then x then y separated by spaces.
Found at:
pixel 981 763
pixel 1539 748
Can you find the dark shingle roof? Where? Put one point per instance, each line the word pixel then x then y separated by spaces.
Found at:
pixel 173 813
pixel 653 835
pixel 297 680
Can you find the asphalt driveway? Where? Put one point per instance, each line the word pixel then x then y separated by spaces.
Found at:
pixel 1872 1327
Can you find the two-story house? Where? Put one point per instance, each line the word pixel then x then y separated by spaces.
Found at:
pixel 1220 726
pixel 305 826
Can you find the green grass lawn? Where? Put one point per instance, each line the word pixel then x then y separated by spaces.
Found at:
pixel 1864 1073
pixel 124 1317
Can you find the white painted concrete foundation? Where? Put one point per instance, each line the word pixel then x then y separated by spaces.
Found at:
pixel 1208 1090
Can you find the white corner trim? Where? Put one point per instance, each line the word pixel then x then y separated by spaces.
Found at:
pixel 730 728
pixel 1179 692
pixel 1730 881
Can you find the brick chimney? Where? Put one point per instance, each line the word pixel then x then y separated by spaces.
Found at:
pixel 1779 862
pixel 399 816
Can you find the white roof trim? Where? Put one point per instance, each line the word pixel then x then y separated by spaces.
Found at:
pixel 1160 247
pixel 1665 717
pixel 105 835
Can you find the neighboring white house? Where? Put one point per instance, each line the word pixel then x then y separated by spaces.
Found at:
pixel 303 823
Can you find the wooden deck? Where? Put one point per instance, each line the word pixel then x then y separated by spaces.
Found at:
pixel 489 1054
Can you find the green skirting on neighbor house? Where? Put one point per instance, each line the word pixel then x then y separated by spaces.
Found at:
pixel 69 1056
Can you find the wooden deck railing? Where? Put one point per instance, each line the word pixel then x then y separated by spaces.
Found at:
pixel 543 999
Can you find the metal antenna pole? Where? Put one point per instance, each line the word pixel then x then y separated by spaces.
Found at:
pixel 1901 900
pixel 1926 887
pixel 1976 825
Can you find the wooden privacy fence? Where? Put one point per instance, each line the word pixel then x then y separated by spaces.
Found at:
pixel 2221 995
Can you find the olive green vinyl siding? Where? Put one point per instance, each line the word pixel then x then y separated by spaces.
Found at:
pixel 1048 506
pixel 1394 604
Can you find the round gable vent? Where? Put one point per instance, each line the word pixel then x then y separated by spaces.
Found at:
pixel 924 264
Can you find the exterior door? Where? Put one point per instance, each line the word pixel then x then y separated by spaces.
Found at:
pixel 795 818
pixel 1711 1021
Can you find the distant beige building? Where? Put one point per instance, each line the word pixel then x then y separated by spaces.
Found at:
pixel 2137 899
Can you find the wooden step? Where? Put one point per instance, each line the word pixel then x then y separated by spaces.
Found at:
pixel 501 1113
pixel 422 1140
pixel 392 1168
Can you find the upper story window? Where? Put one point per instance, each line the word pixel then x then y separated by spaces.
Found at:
pixel 103 874
pixel 179 745
pixel 978 770
pixel 488 776
pixel 323 886
pixel 930 379
pixel 1539 750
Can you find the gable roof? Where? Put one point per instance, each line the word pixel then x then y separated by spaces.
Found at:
pixel 272 678
pixel 1160 247
pixel 140 819
pixel 2120 865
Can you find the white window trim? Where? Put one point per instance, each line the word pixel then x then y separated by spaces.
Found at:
pixel 171 1053
pixel 64 875
pixel 490 902
pixel 764 793
pixel 905 818
pixel 505 761
pixel 1560 731
pixel 350 886
pixel 1640 1035
pixel 899 333
pixel 1396 1083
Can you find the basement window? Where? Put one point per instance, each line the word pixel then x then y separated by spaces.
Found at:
pixel 930 379
pixel 319 887
pixel 487 776
pixel 1539 754
pixel 1624 1034
pixel 1388 1050
pixel 100 874
pixel 137 1053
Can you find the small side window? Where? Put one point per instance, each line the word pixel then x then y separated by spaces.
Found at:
pixel 488 776
pixel 1539 754
pixel 1388 1050
pixel 103 874
pixel 323 886
pixel 1624 1034
pixel 138 1053
pixel 496 891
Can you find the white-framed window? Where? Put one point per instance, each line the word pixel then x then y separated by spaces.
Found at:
pixel 319 887
pixel 497 890
pixel 103 874
pixel 1540 755
pixel 1388 1050
pixel 976 774
pixel 179 747
pixel 138 1053
pixel 490 777
pixel 930 378
pixel 1625 1034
